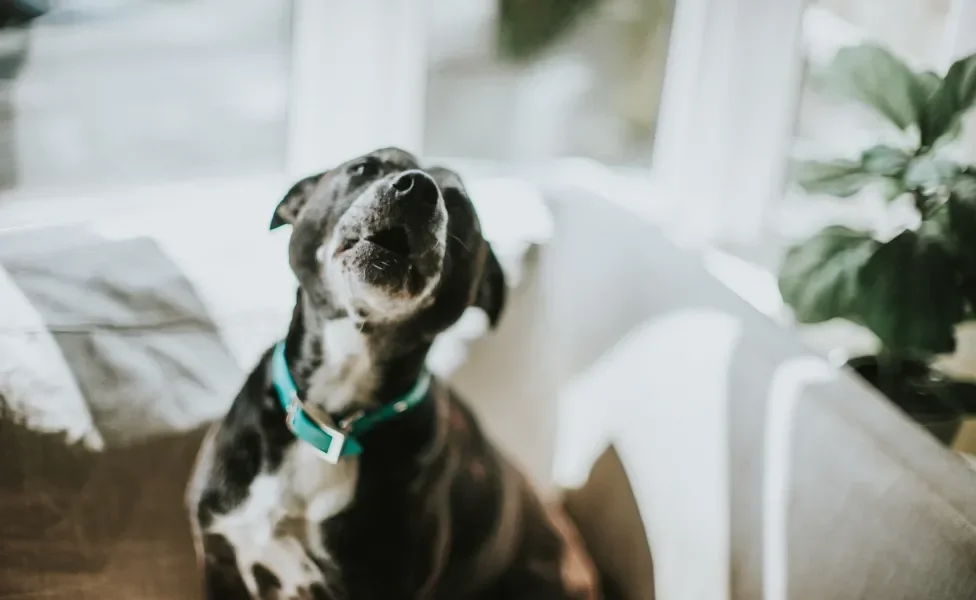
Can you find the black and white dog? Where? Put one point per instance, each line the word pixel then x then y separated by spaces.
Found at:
pixel 342 470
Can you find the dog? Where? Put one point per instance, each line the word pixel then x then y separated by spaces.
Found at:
pixel 343 470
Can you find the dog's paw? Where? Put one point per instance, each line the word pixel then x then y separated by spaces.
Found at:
pixel 285 571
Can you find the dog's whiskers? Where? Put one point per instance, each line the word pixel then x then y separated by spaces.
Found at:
pixel 460 241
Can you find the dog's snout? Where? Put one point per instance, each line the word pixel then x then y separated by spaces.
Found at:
pixel 415 186
pixel 405 183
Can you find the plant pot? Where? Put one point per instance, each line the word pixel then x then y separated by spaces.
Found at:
pixel 933 400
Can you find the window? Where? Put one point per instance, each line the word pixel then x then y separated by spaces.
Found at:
pixel 96 93
pixel 505 82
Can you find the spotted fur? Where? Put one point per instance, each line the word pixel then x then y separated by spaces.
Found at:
pixel 430 509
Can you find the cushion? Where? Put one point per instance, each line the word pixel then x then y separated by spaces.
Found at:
pixel 129 331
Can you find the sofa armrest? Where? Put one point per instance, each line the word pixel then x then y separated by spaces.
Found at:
pixel 782 476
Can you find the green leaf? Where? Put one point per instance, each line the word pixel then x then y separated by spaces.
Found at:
pixel 929 120
pixel 907 294
pixel 873 76
pixel 841 178
pixel 955 130
pixel 927 172
pixel 928 83
pixel 819 277
pixel 961 209
pixel 893 188
pixel 885 161
pixel 526 28
pixel 960 82
pixel 964 186
pixel 945 105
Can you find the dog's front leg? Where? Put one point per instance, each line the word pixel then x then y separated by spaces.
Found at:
pixel 221 576
pixel 246 556
pixel 279 570
pixel 237 529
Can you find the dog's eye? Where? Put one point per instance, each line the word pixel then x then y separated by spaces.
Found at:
pixel 365 168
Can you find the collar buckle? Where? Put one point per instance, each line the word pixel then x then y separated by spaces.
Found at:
pixel 333 441
pixel 304 425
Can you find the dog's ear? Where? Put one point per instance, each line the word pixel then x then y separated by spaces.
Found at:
pixel 289 207
pixel 491 293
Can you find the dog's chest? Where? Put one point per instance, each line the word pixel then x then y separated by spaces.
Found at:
pixel 347 372
pixel 313 489
pixel 293 501
pixel 278 526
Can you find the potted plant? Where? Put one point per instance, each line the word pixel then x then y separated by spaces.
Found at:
pixel 527 27
pixel 912 288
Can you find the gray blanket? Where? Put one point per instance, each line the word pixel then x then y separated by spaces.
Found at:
pixel 137 339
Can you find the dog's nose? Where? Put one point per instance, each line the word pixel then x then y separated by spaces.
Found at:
pixel 405 183
pixel 415 186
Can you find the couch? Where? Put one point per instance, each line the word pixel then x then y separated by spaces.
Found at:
pixel 675 420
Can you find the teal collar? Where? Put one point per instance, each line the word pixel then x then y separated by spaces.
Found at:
pixel 334 442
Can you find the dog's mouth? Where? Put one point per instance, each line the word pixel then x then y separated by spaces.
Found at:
pixel 388 263
pixel 391 241
pixel 381 259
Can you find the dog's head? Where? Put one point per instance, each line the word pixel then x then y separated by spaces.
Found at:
pixel 390 244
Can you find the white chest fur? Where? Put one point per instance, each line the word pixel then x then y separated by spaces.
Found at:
pixel 314 489
pixel 346 374
pixel 343 341
pixel 280 518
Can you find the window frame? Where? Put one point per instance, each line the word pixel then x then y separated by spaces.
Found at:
pixel 729 168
